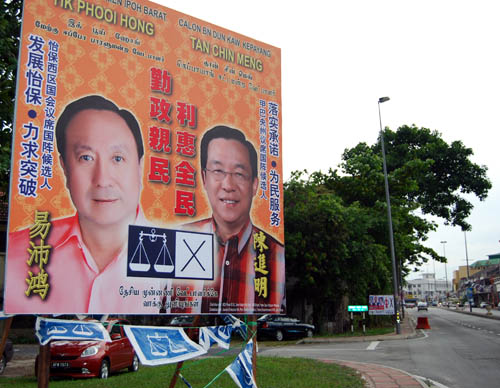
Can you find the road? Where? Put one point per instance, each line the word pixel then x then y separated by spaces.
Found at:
pixel 459 351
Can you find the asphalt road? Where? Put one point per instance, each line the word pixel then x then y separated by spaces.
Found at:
pixel 459 351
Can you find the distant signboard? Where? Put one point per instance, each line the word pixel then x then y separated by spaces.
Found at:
pixel 381 305
pixel 470 295
pixel 357 308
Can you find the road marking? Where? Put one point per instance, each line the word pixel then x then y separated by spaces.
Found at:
pixel 372 345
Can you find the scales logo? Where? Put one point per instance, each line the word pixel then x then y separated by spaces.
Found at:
pixel 161 345
pixel 168 253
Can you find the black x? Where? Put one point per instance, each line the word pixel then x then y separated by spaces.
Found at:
pixel 193 255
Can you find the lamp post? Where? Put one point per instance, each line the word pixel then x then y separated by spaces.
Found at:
pixel 435 286
pixel 389 220
pixel 467 261
pixel 445 268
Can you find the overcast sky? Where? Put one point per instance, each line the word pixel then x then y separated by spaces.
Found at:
pixel 438 61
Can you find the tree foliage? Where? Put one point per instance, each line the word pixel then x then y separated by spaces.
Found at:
pixel 442 173
pixel 336 228
pixel 330 250
pixel 10 26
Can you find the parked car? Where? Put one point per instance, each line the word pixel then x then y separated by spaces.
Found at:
pixel 280 327
pixel 483 305
pixel 422 306
pixel 8 352
pixel 93 358
pixel 187 321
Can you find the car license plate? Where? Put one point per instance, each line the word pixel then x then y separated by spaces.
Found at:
pixel 60 365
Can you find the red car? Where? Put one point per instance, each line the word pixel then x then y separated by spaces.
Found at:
pixel 93 358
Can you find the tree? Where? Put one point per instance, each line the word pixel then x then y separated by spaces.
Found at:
pixel 10 27
pixel 336 234
pixel 331 254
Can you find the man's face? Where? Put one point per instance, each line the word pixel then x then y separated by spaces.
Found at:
pixel 102 168
pixel 230 198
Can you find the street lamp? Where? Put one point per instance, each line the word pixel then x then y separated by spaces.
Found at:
pixel 389 220
pixel 445 268
pixel 468 275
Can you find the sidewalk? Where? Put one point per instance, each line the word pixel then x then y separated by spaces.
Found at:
pixel 379 376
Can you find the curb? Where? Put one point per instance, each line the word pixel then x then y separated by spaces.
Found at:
pixel 384 337
pixel 473 313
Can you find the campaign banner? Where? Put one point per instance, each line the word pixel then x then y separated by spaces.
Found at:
pixel 47 329
pixel 381 305
pixel 220 335
pixel 144 133
pixel 162 345
pixel 4 316
pixel 241 369
pixel 238 325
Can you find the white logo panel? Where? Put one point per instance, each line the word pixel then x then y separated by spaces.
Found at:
pixel 194 255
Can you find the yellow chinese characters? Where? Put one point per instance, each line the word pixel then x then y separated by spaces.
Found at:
pixel 39 254
pixel 260 264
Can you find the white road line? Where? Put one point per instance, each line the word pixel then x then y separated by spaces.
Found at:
pixel 372 345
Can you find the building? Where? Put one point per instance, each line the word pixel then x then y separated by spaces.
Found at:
pixel 460 275
pixel 428 288
pixel 484 281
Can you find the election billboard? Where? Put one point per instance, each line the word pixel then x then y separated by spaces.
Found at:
pixel 146 172
pixel 381 305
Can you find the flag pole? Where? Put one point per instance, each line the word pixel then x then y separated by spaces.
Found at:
pixel 190 334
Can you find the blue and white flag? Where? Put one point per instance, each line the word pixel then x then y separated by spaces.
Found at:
pixel 239 326
pixel 162 345
pixel 241 369
pixel 48 329
pixel 220 335
pixel 4 316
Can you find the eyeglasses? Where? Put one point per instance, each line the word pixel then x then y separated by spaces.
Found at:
pixel 220 175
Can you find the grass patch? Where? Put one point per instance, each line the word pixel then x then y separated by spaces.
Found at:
pixel 371 331
pixel 359 333
pixel 272 372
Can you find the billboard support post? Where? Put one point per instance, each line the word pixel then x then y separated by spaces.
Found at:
pixel 190 334
pixel 5 333
pixel 43 372
pixel 253 325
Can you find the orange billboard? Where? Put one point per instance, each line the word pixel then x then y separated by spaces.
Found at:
pixel 146 164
